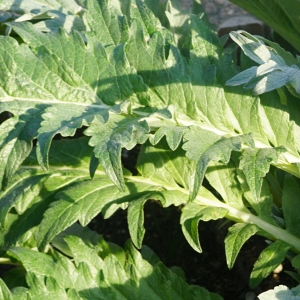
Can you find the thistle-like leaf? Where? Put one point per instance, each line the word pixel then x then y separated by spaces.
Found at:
pixel 237 235
pixel 135 216
pixel 255 164
pixel 131 57
pixel 204 146
pixel 269 259
pixel 173 135
pixel 225 182
pixel 109 139
pixel 273 72
pixel 92 277
pixel 190 217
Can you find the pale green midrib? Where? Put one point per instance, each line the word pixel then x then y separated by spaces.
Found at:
pixel 52 101
pixel 284 162
pixel 53 169
pixel 233 213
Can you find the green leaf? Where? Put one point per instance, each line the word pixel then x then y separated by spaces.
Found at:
pixel 80 202
pixel 262 205
pixel 45 288
pixel 135 219
pixel 153 278
pixel 16 137
pixel 164 166
pixel 15 277
pixel 256 50
pixel 173 136
pixel 159 71
pixel 224 181
pixel 280 292
pixel 149 71
pixel 103 23
pixel 178 20
pixel 61 269
pixel 255 164
pixel 85 199
pixel 290 205
pixel 135 215
pixel 237 235
pixel 83 253
pixel 127 78
pixel 109 139
pixel 24 7
pixel 273 72
pixel 4 291
pixel 190 217
pixel 280 16
pixel 211 147
pixel 269 259
pixel 23 185
pixel 86 234
pixel 136 280
pixel 296 261
pixel 37 189
pixel 141 12
pixel 65 123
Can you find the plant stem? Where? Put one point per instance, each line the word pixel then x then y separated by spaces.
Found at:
pixel 234 214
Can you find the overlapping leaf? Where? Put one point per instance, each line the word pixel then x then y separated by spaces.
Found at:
pixel 283 291
pixel 31 191
pixel 95 278
pixel 255 165
pixel 225 182
pixel 280 16
pixel 275 70
pixel 269 259
pixel 204 146
pixel 237 235
pixel 192 214
pixel 125 78
pixel 155 75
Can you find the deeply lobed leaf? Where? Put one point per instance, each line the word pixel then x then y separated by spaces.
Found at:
pixel 96 278
pixel 125 78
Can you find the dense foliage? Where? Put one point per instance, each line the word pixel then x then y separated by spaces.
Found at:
pixel 133 73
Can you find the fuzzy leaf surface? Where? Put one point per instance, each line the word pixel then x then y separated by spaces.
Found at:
pixel 37 189
pixel 255 165
pixel 280 16
pixel 269 259
pixel 237 235
pixel 190 217
pixel 4 291
pixel 96 278
pixel 203 146
pixel 225 182
pixel 273 72
pixel 280 292
pixel 148 70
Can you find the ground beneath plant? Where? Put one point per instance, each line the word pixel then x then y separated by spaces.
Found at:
pixel 208 269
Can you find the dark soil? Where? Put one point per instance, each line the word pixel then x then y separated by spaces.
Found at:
pixel 208 269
